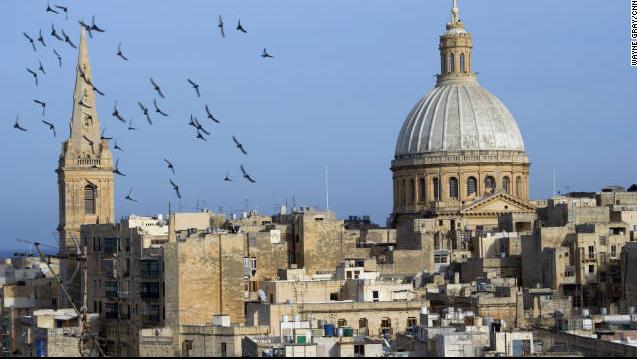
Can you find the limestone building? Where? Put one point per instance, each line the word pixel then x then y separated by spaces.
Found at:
pixel 85 168
pixel 459 153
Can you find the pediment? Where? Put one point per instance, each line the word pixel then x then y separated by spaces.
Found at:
pixel 498 202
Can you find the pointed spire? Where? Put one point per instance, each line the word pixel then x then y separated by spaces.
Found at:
pixel 454 12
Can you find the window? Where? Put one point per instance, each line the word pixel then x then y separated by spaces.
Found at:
pixel 518 186
pixel 375 296
pixel 110 245
pixel 111 290
pixel 591 252
pixel 149 268
pixel 359 350
pixel 613 251
pixel 149 290
pixel 489 184
pixel 412 188
pixel 421 189
pixel 342 322
pixel 224 350
pixel 591 269
pixel 602 240
pixel 440 258
pixel 404 195
pixel 411 322
pixel 385 323
pixel 90 192
pixel 112 311
pixel 362 323
pixel 333 296
pixel 506 184
pixel 472 185
pixel 453 188
pixel 452 63
pixel 436 184
pixel 462 68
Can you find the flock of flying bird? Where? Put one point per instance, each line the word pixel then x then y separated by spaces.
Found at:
pixel 194 122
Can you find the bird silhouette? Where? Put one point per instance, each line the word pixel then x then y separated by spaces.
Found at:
pixel 95 27
pixel 67 39
pixel 41 68
pixel 128 196
pixel 90 142
pixel 17 125
pixel 195 86
pixel 210 116
pixel 157 88
pixel 116 170
pixel 145 111
pixel 42 104
pixel 157 110
pixel 55 34
pixel 240 28
pixel 227 178
pixel 81 103
pixel 170 165
pixel 64 9
pixel 198 126
pixel 30 40
pixel 51 127
pixel 88 28
pixel 119 52
pixel 41 39
pixel 130 126
pixel 116 113
pixel 220 26
pixel 246 175
pixel 58 56
pixel 103 136
pixel 239 145
pixel 50 9
pixel 175 188
pixel 34 74
pixel 200 136
pixel 117 147
pixel 266 55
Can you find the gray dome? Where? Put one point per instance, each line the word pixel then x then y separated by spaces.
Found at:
pixel 458 117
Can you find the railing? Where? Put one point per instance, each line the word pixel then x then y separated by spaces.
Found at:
pixel 88 162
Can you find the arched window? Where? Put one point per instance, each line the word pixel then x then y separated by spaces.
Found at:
pixel 518 186
pixel 452 63
pixel 436 184
pixel 472 186
pixel 443 64
pixel 506 184
pixel 412 188
pixel 90 192
pixel 462 68
pixel 489 184
pixel 403 193
pixel 453 188
pixel 422 189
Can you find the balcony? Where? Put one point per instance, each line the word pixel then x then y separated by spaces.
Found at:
pixel 88 162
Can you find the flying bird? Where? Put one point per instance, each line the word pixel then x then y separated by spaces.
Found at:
pixel 175 188
pixel 95 27
pixel 103 136
pixel 30 40
pixel 51 127
pixel 55 34
pixel 81 103
pixel 58 56
pixel 220 26
pixel 240 28
pixel 130 125
pixel 195 86
pixel 200 136
pixel 16 125
pixel 116 170
pixel 239 145
pixel 266 55
pixel 90 142
pixel 246 175
pixel 116 147
pixel 227 178
pixel 88 28
pixel 145 111
pixel 157 110
pixel 34 74
pixel 128 196
pixel 199 127
pixel 116 113
pixel 210 116
pixel 41 39
pixel 41 68
pixel 50 9
pixel 64 9
pixel 42 104
pixel 67 39
pixel 170 165
pixel 157 88
pixel 119 52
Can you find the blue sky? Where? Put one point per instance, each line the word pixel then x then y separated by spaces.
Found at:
pixel 345 75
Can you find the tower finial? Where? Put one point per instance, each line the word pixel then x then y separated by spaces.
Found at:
pixel 454 12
